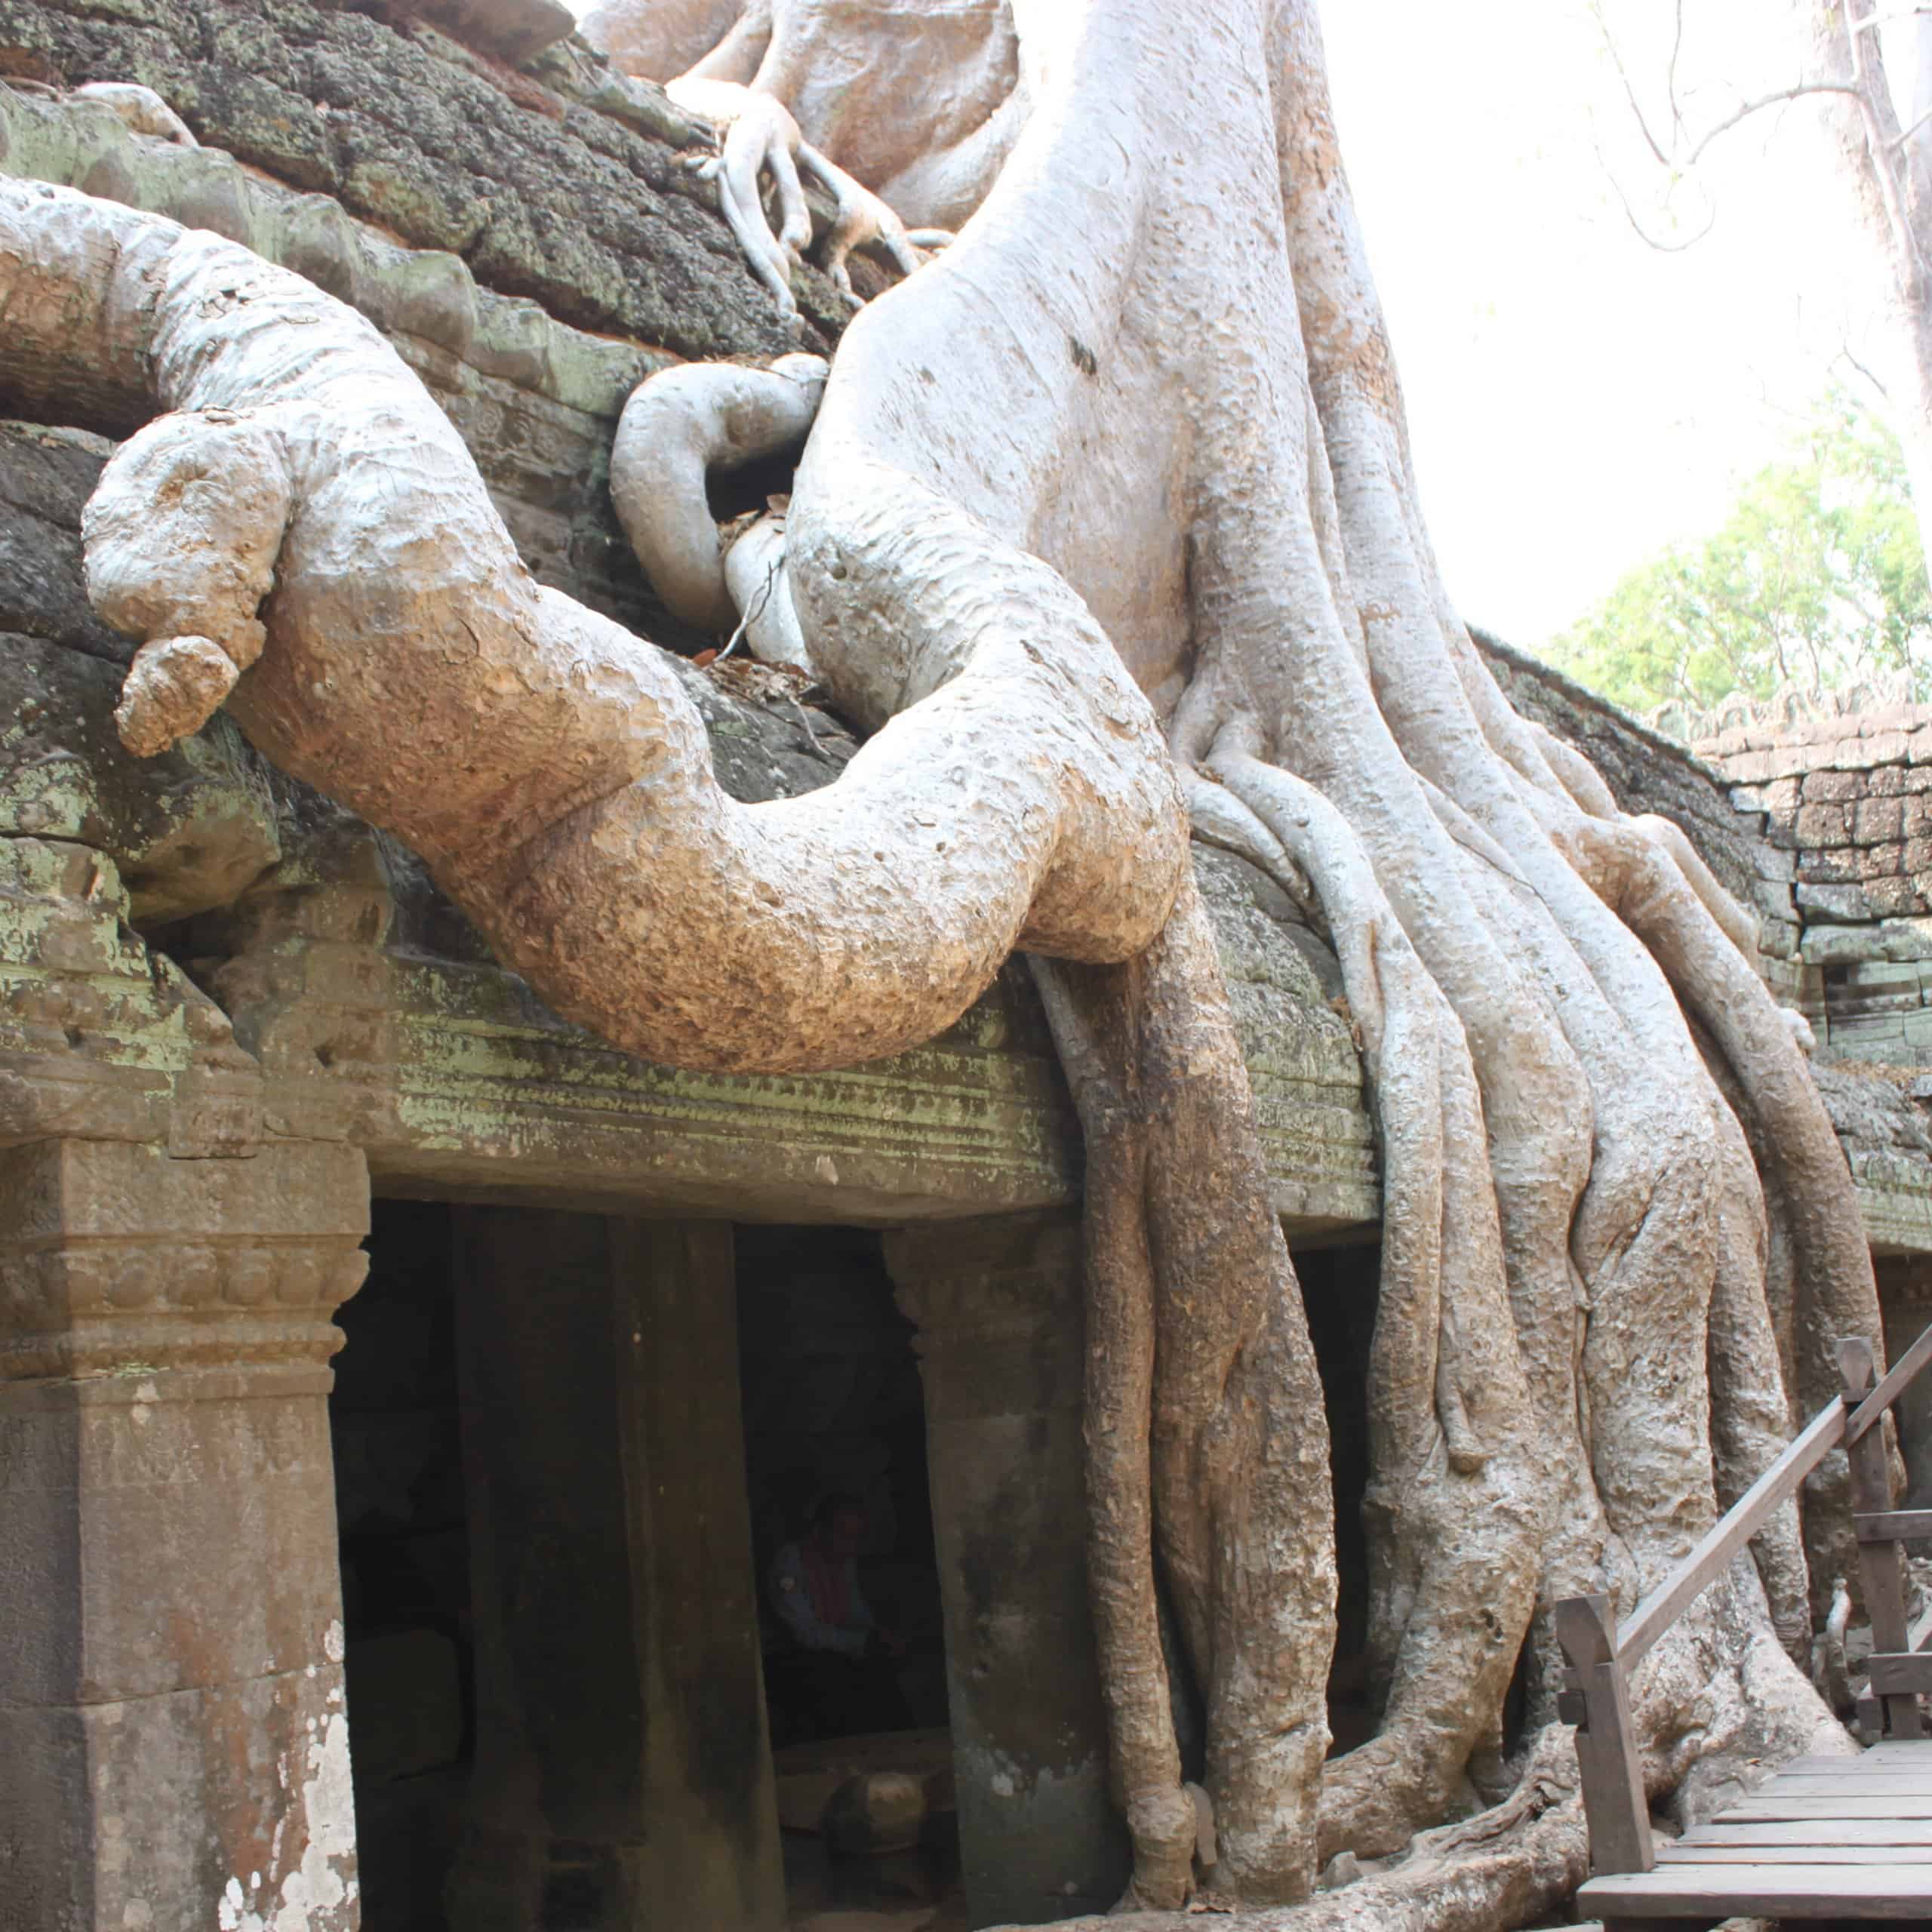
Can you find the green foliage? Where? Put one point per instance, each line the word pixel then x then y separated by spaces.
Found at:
pixel 1816 578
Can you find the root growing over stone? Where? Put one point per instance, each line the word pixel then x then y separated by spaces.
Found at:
pixel 1106 523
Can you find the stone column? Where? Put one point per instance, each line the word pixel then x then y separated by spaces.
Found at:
pixel 1001 1335
pixel 623 1775
pixel 174 1749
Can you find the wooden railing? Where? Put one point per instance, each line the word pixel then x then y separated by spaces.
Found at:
pixel 1601 1654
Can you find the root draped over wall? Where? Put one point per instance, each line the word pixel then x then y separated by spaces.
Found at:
pixel 1106 528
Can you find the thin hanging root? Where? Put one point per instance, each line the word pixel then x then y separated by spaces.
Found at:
pixel 1093 1014
pixel 759 135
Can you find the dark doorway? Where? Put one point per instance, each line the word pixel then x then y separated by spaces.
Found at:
pixel 1338 1289
pixel 404 1547
pixel 835 1463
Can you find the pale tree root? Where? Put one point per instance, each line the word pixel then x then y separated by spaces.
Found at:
pixel 1460 1501
pixel 1205 1440
pixel 679 426
pixel 549 767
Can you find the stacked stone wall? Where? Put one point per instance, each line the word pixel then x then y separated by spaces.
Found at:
pixel 1847 794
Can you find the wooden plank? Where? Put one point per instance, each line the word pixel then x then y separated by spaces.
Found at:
pixel 1771 1891
pixel 1901 1673
pixel 1893 1751
pixel 1769 1804
pixel 1794 1854
pixel 1893 1525
pixel 1741 1522
pixel 1852 1784
pixel 1881 1565
pixel 1804 1831
pixel 1871 1410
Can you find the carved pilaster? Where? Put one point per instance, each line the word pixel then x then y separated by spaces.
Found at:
pixel 174 1745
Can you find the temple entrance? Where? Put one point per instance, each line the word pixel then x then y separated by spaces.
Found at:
pixel 402 1518
pixel 1339 1289
pixel 849 1611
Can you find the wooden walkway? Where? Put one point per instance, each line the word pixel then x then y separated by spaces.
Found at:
pixel 1826 1837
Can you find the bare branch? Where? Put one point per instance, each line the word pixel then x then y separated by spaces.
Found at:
pixel 1798 92
pixel 1630 92
pixel 1670 78
pixel 1643 234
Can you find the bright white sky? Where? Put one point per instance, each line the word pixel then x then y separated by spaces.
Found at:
pixel 1579 400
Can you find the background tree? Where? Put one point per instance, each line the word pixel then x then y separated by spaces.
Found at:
pixel 1816 578
pixel 1866 65
pixel 1106 523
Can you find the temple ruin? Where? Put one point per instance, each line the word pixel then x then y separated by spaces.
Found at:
pixel 404 1391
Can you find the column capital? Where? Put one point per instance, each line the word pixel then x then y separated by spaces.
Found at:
pixel 989 1274
pixel 1000 1311
pixel 119 1261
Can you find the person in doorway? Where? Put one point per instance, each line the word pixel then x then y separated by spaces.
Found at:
pixel 847 1659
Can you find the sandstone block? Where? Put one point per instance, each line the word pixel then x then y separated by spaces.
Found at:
pixel 1820 825
pixel 1886 781
pixel 1908 939
pixel 1838 945
pixel 1875 821
pixel 1832 786
pixel 1887 895
pixel 1840 867
pixel 1845 902
pixel 1881 861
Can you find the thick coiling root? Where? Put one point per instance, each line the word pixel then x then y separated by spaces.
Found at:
pixel 549 767
pixel 679 426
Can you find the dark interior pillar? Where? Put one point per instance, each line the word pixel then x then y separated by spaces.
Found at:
pixel 1001 1343
pixel 623 1778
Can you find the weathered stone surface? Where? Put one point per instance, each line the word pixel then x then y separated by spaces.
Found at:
pixel 167 1575
pixel 191 829
pixel 1888 1143
pixel 545 196
pixel 1001 1342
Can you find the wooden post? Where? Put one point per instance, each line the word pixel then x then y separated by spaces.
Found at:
pixel 1598 1703
pixel 1880 1564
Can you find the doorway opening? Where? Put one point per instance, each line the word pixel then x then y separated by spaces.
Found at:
pixel 402 1523
pixel 1339 1286
pixel 849 1600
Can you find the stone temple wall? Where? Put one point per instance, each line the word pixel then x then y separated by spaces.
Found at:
pixel 1843 785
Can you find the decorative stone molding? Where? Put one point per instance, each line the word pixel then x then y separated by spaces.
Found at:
pixel 117 1260
pixel 99 1037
